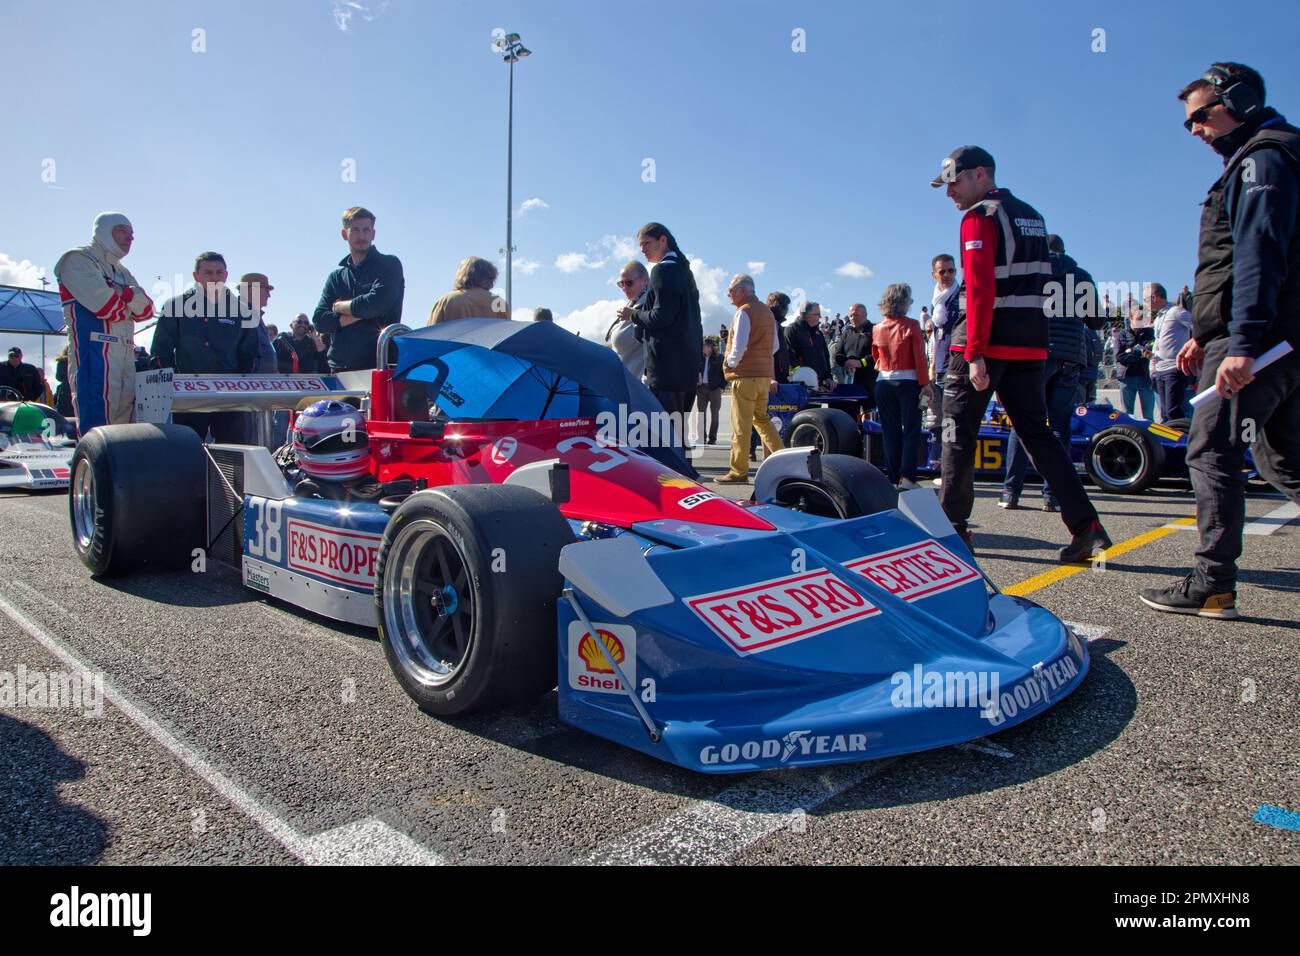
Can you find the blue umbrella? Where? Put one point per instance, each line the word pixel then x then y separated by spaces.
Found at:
pixel 497 368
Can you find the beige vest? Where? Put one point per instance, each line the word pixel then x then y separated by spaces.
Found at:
pixel 757 361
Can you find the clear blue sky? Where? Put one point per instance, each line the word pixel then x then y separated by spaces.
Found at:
pixel 801 161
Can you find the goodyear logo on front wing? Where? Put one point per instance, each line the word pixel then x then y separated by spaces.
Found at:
pixel 589 668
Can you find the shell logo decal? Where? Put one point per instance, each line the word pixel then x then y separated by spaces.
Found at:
pixel 588 669
pixel 673 481
pixel 592 656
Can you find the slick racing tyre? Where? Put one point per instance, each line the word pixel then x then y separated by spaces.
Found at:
pixel 831 431
pixel 137 497
pixel 1124 460
pixel 1179 424
pixel 849 488
pixel 465 593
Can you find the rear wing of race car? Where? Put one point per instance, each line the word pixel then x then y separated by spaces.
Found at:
pixel 160 392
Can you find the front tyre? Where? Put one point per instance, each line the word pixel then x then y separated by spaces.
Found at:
pixel 465 592
pixel 849 488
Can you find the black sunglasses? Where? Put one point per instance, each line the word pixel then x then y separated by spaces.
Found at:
pixel 1199 116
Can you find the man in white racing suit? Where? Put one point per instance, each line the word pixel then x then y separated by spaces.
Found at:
pixel 101 302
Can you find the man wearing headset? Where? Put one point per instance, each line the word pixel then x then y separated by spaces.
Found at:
pixel 1246 299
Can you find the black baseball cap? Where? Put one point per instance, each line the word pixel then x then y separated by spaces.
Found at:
pixel 15 350
pixel 961 159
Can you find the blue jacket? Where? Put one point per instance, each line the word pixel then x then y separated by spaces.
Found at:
pixel 195 335
pixel 376 288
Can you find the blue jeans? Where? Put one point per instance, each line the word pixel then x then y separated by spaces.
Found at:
pixel 898 402
pixel 1138 391
pixel 1061 383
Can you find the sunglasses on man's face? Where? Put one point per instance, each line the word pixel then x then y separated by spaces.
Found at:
pixel 1199 116
pixel 625 283
pixel 947 272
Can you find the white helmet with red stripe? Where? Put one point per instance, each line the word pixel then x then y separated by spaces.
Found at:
pixel 330 442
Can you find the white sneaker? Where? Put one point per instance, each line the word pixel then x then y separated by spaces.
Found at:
pixel 938 482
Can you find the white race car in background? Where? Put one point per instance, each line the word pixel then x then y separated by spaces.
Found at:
pixel 36 446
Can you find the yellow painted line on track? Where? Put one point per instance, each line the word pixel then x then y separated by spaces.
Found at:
pixel 1039 581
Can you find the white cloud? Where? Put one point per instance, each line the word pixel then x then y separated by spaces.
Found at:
pixel 854 270
pixel 610 250
pixel 26 273
pixel 715 307
pixel 530 204
pixel 755 268
pixel 576 261
pixel 345 10
pixel 593 321
pixel 622 248
pixel 526 266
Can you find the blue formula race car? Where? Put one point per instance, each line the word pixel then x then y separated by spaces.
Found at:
pixel 504 546
pixel 1118 452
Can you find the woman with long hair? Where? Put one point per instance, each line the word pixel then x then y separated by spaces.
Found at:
pixel 669 323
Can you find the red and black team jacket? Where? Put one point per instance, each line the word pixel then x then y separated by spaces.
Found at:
pixel 1005 265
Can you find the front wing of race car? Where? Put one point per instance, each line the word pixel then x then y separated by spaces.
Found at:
pixel 822 642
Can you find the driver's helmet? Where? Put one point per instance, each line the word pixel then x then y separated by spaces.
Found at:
pixel 330 441
pixel 803 375
pixel 29 420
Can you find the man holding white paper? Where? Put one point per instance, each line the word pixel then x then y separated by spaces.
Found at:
pixel 1245 304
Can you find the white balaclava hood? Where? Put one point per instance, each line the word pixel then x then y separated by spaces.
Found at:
pixel 105 222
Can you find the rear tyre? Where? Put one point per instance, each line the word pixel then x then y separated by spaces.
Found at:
pixel 137 497
pixel 849 488
pixel 465 593
pixel 1124 460
pixel 831 431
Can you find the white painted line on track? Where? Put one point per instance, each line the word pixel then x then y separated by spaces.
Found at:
pixel 708 831
pixel 38 597
pixel 1277 518
pixel 368 841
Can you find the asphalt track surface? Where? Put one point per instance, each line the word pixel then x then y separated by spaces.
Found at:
pixel 238 730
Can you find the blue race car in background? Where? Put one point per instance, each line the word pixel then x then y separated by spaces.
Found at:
pixel 1120 453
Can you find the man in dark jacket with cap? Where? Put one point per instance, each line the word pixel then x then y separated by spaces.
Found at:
pixel 21 377
pixel 1246 300
pixel 1000 342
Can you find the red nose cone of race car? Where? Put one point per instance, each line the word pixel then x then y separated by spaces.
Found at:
pixel 608 483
